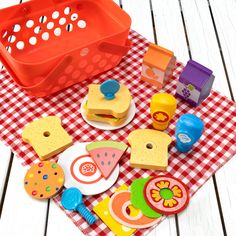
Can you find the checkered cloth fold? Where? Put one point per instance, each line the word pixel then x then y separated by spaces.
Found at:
pixel 214 149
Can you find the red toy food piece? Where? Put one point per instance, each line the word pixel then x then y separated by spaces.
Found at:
pixel 106 155
pixel 166 194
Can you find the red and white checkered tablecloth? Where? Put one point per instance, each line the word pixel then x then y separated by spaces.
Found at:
pixel 214 149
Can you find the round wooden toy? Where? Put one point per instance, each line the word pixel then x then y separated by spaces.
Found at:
pixel 44 180
pixel 81 171
pixel 166 194
pixel 138 200
pixel 119 207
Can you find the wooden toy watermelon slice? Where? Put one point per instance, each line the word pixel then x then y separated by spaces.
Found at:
pixel 106 155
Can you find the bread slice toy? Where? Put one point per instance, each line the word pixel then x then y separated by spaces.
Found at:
pixel 149 149
pixel 108 103
pixel 46 136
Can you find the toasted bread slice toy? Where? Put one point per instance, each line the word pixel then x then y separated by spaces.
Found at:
pixel 149 149
pixel 114 111
pixel 46 136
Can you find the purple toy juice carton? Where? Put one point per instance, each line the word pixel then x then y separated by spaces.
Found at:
pixel 195 83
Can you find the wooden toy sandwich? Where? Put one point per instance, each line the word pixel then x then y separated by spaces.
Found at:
pixel 110 107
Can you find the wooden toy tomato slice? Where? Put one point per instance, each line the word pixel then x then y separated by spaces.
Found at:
pixel 122 211
pixel 166 194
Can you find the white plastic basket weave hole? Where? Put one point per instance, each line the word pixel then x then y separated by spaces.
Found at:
pixel 37 30
pixel 11 38
pixel 45 36
pixel 33 40
pixel 29 23
pixel 57 32
pixel 82 24
pixel 20 45
pixel 62 21
pixel 74 16
pixel 55 15
pixel 69 27
pixel 16 28
pixel 42 19
pixel 67 10
pixel 4 34
pixel 50 25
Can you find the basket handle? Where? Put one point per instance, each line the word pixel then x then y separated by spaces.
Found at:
pixel 54 73
pixel 10 71
pixel 61 65
pixel 115 48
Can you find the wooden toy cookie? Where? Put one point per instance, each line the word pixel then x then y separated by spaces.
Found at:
pixel 101 209
pixel 166 194
pixel 149 149
pixel 44 180
pixel 138 200
pixel 46 136
pixel 106 154
pixel 82 172
pixel 118 210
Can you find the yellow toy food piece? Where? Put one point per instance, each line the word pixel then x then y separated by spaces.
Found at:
pixel 113 112
pixel 163 106
pixel 46 136
pixel 149 149
pixel 101 209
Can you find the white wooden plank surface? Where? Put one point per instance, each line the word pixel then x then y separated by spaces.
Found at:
pixel 5 158
pixel 201 217
pixel 202 40
pixel 224 13
pixel 139 10
pixel 226 182
pixel 169 28
pixel 171 34
pixel 204 48
pixel 21 214
pixel 59 223
pixel 225 20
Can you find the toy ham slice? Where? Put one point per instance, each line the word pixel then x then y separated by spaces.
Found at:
pixel 106 155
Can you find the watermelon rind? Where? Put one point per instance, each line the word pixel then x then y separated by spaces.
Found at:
pixel 104 144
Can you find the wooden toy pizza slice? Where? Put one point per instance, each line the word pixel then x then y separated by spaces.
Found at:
pixel 166 194
pixel 44 180
pixel 106 155
pixel 82 172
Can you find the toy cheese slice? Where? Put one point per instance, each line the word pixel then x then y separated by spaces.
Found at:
pixel 46 136
pixel 149 149
pixel 106 155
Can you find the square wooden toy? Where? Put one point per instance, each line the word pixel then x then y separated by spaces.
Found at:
pixel 158 65
pixel 195 83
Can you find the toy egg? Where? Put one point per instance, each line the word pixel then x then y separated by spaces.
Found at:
pixel 189 129
pixel 163 106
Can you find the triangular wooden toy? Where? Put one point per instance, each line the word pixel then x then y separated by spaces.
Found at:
pixel 106 155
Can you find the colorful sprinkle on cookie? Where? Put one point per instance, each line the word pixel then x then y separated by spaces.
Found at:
pixel 44 180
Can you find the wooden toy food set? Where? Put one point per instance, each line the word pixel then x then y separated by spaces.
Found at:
pixel 47 46
pixel 91 167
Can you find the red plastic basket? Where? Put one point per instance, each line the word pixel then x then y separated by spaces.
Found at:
pixel 49 45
